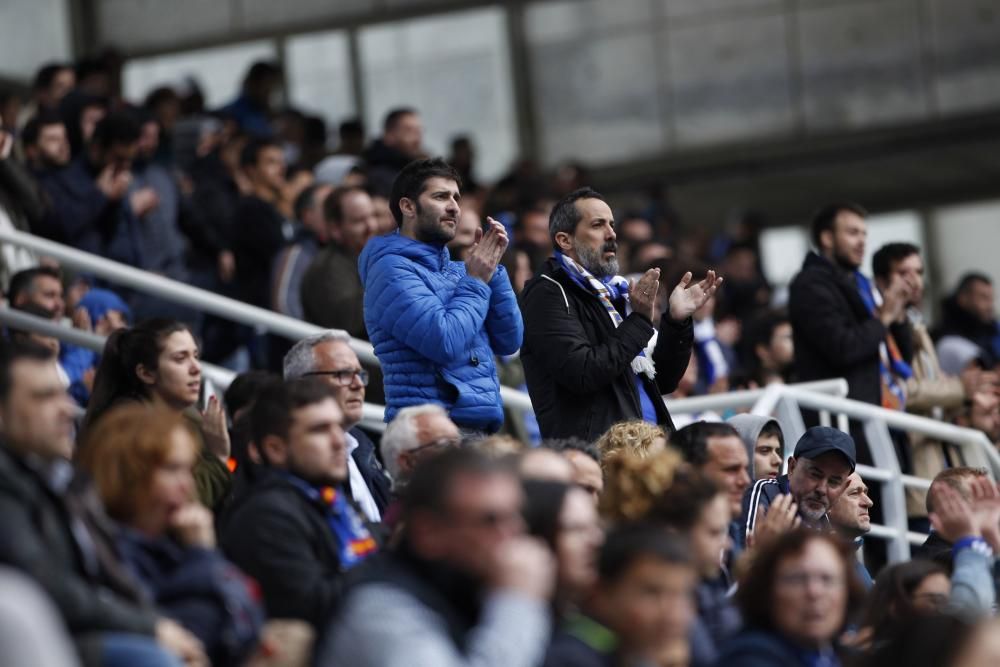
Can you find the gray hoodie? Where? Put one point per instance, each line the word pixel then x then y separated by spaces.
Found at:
pixel 749 427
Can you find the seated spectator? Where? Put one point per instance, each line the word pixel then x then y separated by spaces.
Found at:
pixel 633 485
pixel 157 362
pixel 291 263
pixel 54 529
pixel 41 286
pixel 332 293
pixel 851 519
pixel 464 586
pixel 961 480
pixel 565 518
pixel 968 313
pixel 716 450
pixel 46 146
pixel 817 475
pixel 32 632
pixel 499 446
pixel 939 640
pixel 103 312
pixel 638 437
pixel 414 435
pixel 765 444
pixel 768 349
pixel 541 463
pixel 142 461
pixel 329 356
pixel 795 599
pixel 697 508
pixel 52 343
pixel 296 532
pixel 639 612
pixel 586 461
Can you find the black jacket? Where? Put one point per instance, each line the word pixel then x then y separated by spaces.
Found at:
pixel 376 479
pixel 958 322
pixel 835 335
pixel 578 365
pixel 66 544
pixel 282 539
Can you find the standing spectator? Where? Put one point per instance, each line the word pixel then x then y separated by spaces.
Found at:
pixel 329 356
pixel 640 611
pixel 91 207
pixel 332 292
pixel 252 109
pixel 851 518
pixel 796 599
pixel 437 324
pixel 53 82
pixel 402 136
pixel 296 532
pixel 818 471
pixel 290 265
pixel 22 207
pixel 968 313
pixel 54 529
pixel 768 349
pixel 765 444
pixel 260 230
pixel 839 328
pixel 142 461
pixel 464 586
pixel 586 329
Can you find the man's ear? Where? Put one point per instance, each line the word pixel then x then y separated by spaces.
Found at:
pixel 274 451
pixel 825 239
pixel 145 375
pixel 407 206
pixel 564 241
pixel 791 464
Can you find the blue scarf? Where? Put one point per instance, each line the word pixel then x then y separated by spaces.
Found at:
pixel 347 527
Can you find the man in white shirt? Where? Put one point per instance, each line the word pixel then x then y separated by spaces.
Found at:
pixel 329 356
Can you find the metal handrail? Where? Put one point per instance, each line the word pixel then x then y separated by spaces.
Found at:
pixel 746 398
pixel 371 416
pixel 209 302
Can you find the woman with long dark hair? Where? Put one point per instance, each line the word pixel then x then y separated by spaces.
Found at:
pixel 157 362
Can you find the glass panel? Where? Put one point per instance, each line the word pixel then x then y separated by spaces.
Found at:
pixel 319 75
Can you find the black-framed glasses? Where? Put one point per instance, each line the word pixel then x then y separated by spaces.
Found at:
pixel 344 378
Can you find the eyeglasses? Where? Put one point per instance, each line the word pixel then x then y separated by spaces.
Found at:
pixel 344 378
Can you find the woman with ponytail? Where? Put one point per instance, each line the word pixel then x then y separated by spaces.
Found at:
pixel 157 362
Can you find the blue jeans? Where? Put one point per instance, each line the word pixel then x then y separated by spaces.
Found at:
pixel 119 649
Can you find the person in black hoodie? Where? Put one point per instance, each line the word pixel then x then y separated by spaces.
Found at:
pixel 586 329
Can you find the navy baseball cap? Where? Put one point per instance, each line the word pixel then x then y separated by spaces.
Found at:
pixel 822 439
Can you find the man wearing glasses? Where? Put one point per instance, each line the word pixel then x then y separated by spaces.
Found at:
pixel 329 356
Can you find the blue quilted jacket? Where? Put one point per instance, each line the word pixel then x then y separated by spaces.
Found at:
pixel 436 330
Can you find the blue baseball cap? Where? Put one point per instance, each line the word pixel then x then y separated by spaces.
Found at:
pixel 822 439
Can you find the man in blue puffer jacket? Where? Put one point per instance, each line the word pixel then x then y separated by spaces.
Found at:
pixel 436 324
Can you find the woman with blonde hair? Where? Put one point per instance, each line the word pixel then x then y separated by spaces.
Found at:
pixel 639 437
pixel 633 483
pixel 142 461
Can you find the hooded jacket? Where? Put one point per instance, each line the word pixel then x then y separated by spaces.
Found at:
pixel 436 329
pixel 749 428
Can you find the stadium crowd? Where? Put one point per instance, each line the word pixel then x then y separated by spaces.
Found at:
pixel 150 521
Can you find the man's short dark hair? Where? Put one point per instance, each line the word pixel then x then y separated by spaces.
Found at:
pixel 11 353
pixel 430 487
pixel 333 206
pixel 251 152
pixel 352 127
pixel 394 116
pixel 824 219
pixel 244 388
pixel 628 543
pixel 118 128
pixel 410 182
pixel 565 215
pixel 47 74
pixel 306 200
pixel 272 412
pixel 23 281
pixel 773 430
pixel 692 440
pixel 33 129
pixel 759 331
pixel 890 254
pixel 970 279
pixel 573 444
pixel 261 71
pixel 681 505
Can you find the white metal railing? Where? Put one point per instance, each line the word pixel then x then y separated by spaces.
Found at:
pixel 745 399
pixel 193 297
pixel 786 402
pixel 220 377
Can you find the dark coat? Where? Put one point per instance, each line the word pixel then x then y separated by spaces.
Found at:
pixel 79 569
pixel 835 335
pixel 259 231
pixel 332 294
pixel 282 539
pixel 755 648
pixel 578 365
pixel 958 322
pixel 376 479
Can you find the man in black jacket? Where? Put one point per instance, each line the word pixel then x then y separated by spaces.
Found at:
pixel 54 529
pixel 296 532
pixel 586 329
pixel 329 356
pixel 838 332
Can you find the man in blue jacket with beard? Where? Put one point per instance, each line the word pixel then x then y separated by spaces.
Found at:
pixel 437 324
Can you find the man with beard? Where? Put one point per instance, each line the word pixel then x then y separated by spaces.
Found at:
pixel 840 327
pixel 437 324
pixel 586 329
pixel 818 474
